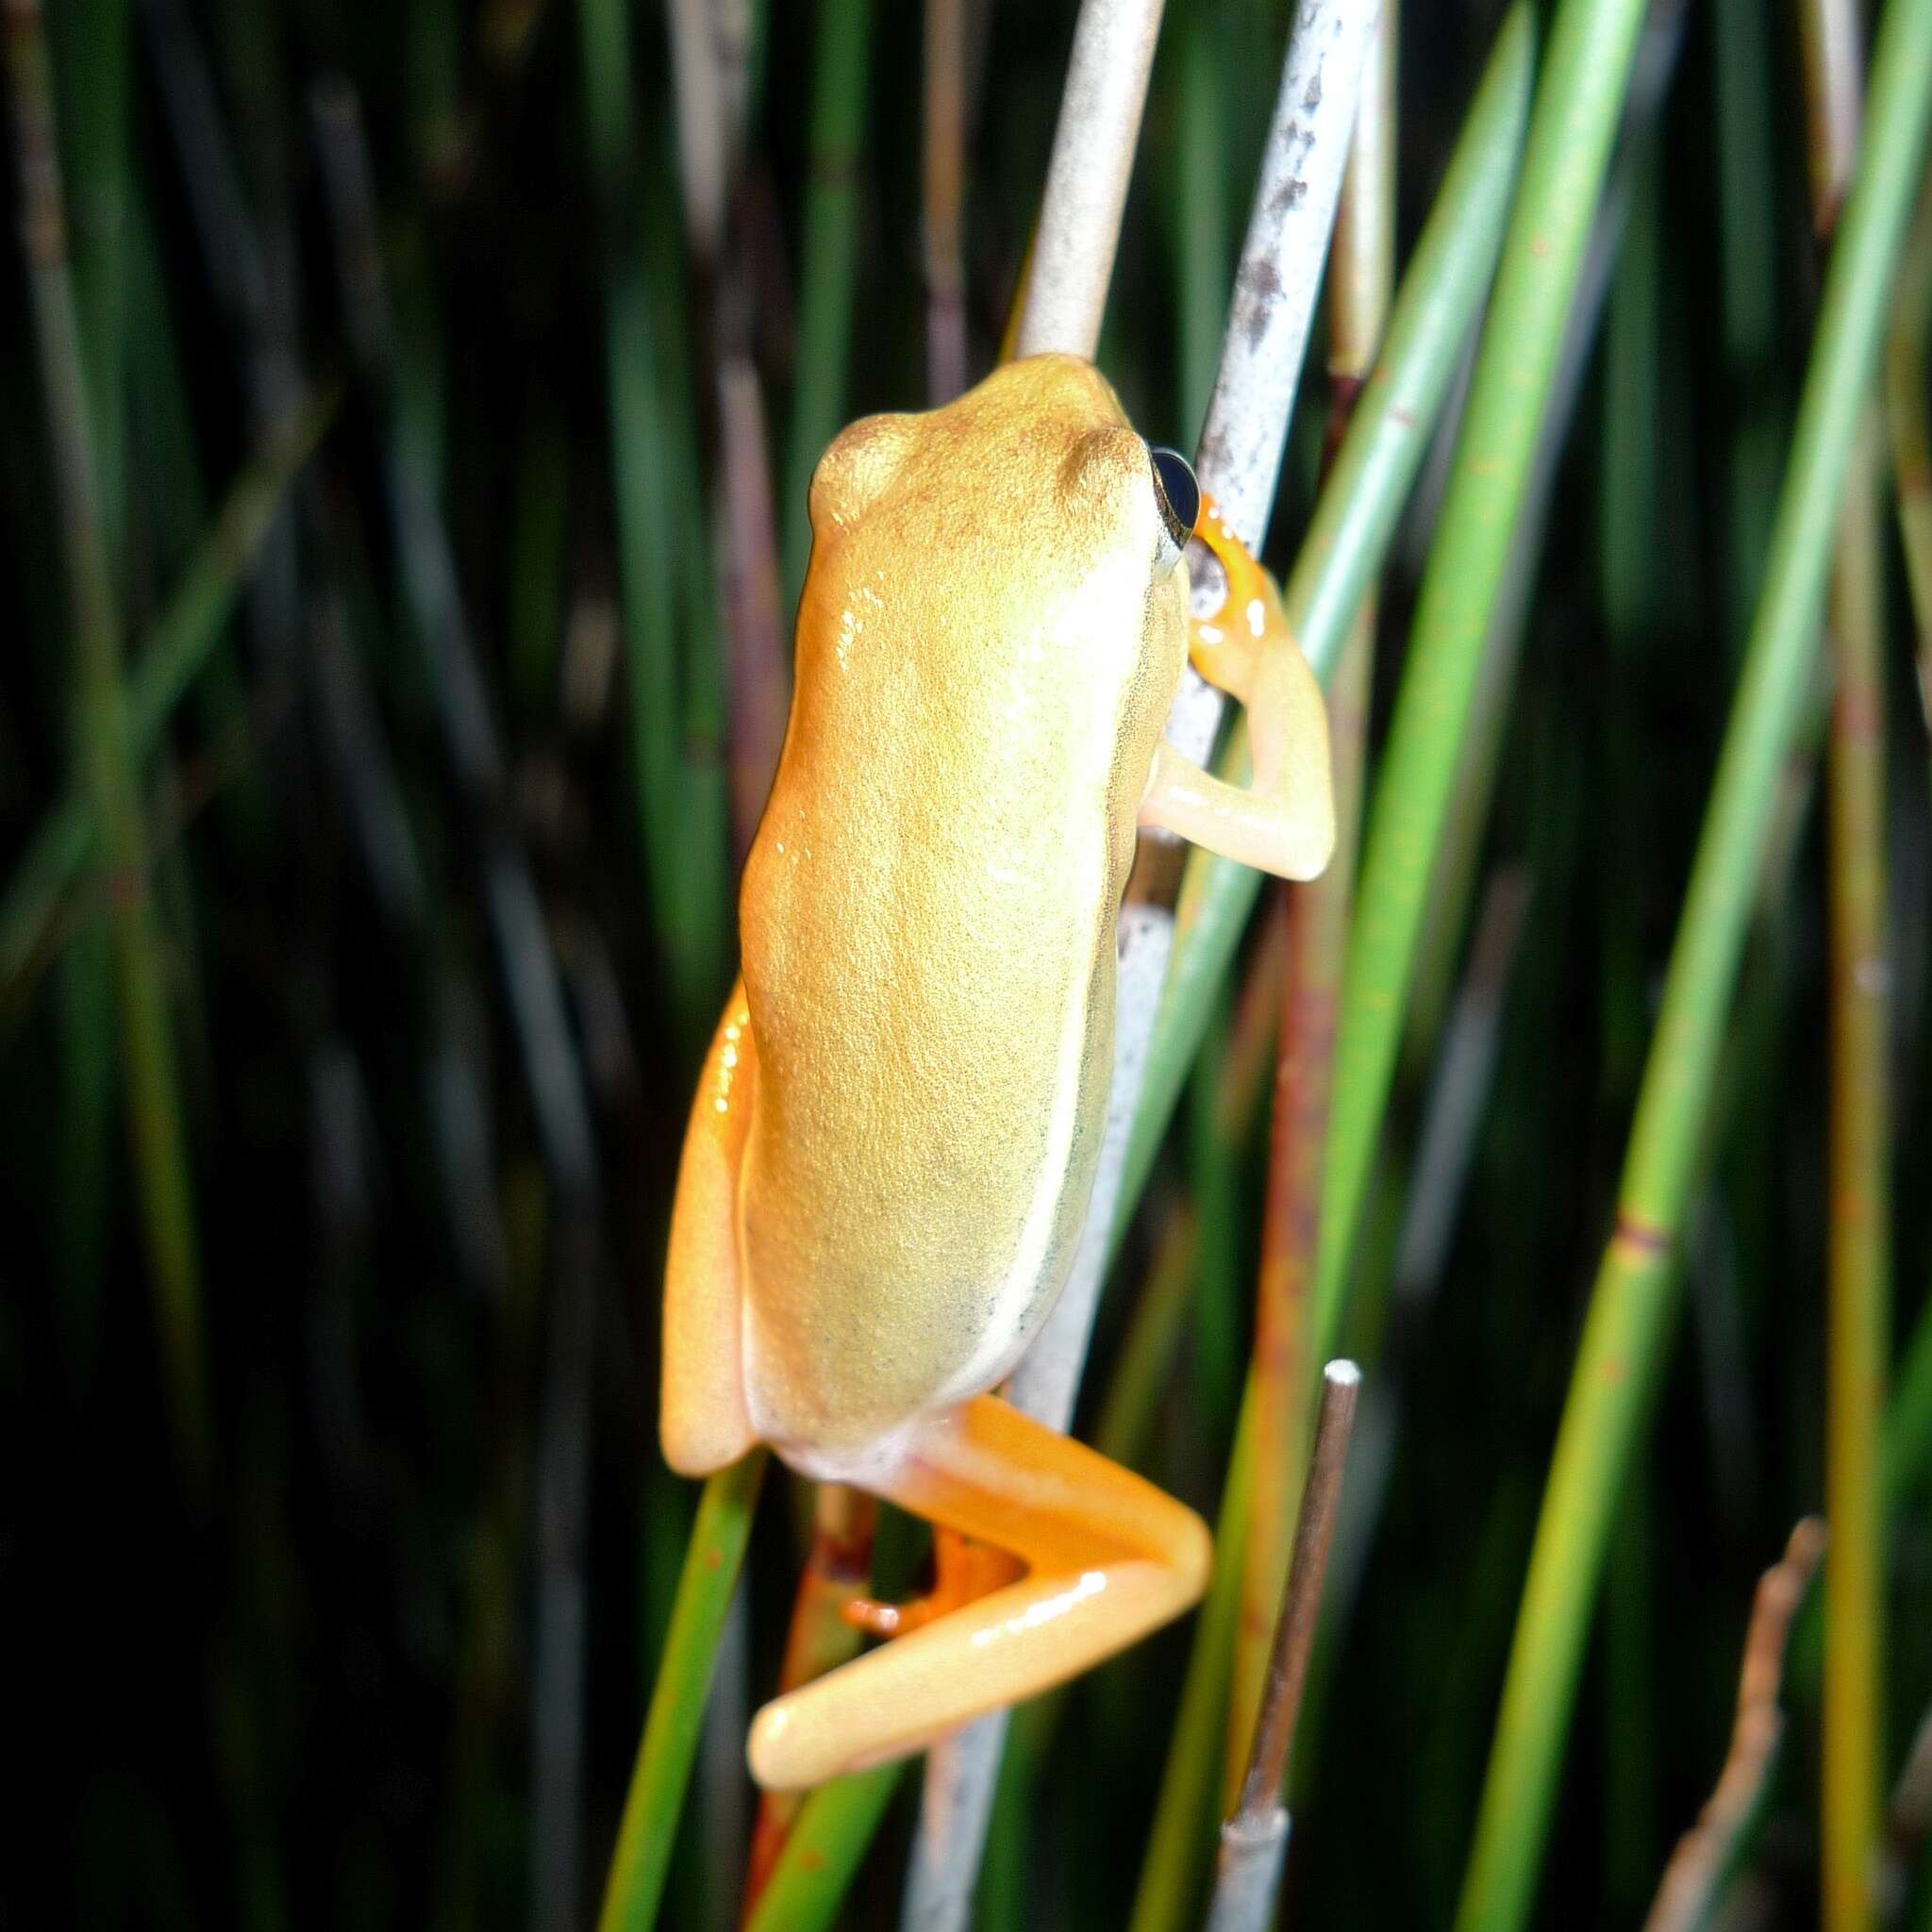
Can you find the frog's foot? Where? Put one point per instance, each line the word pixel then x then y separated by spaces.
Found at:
pixel 967 1570
pixel 1284 823
pixel 1108 1558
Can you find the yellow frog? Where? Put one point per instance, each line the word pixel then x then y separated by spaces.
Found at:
pixel 895 1136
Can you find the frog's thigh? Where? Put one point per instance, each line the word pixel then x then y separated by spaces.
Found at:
pixel 1109 1558
pixel 702 1418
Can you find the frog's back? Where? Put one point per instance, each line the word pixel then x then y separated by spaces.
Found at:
pixel 928 927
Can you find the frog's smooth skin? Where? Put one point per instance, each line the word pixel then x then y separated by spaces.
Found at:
pixel 895 1136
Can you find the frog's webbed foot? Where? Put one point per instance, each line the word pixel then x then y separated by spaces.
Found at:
pixel 965 1571
pixel 1284 823
pixel 1108 1557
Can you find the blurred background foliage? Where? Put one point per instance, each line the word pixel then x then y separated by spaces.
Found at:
pixel 366 784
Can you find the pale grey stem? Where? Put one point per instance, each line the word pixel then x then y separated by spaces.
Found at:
pixel 1239 462
pixel 1247 1872
pixel 710 51
pixel 1288 236
pixel 1087 178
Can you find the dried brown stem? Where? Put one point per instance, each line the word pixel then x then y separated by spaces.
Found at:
pixel 1294 1633
pixel 838 1566
pixel 1698 1866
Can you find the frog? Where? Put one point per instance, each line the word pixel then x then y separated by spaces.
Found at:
pixel 895 1132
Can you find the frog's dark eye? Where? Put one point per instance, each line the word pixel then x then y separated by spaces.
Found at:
pixel 1180 498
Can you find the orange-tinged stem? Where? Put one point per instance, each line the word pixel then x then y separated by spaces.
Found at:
pixel 838 1567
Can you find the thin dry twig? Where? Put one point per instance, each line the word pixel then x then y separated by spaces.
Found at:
pixel 1294 1634
pixel 1698 1867
pixel 1254 1843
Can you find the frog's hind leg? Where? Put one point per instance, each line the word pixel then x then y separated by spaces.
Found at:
pixel 701 1414
pixel 1109 1556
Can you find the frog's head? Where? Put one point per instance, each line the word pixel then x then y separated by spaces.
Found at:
pixel 1028 508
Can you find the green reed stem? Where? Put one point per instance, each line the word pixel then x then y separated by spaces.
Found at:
pixel 1631 1302
pixel 823 1853
pixel 713 1560
pixel 1578 105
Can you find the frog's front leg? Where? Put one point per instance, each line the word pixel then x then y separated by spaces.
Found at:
pixel 1285 822
pixel 701 1414
pixel 1109 1558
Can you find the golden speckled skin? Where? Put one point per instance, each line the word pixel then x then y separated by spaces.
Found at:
pixel 987 649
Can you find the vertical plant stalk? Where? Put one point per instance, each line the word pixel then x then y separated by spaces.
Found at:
pixel 1858 1260
pixel 1631 1301
pixel 1341 551
pixel 1354 520
pixel 710 52
pixel 1239 462
pixel 1072 259
pixel 1253 1841
pixel 828 267
pixel 838 1567
pixel 1858 1247
pixel 1294 1633
pixel 943 182
pixel 655 1800
pixel 1241 456
pixel 1693 1880
pixel 112 781
pixel 1315 918
pixel 1579 105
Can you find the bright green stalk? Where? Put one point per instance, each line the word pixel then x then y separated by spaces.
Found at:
pixel 711 1563
pixel 153 1097
pixel 824 1851
pixel 1616 1367
pixel 1354 517
pixel 829 266
pixel 1578 105
pixel 176 649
